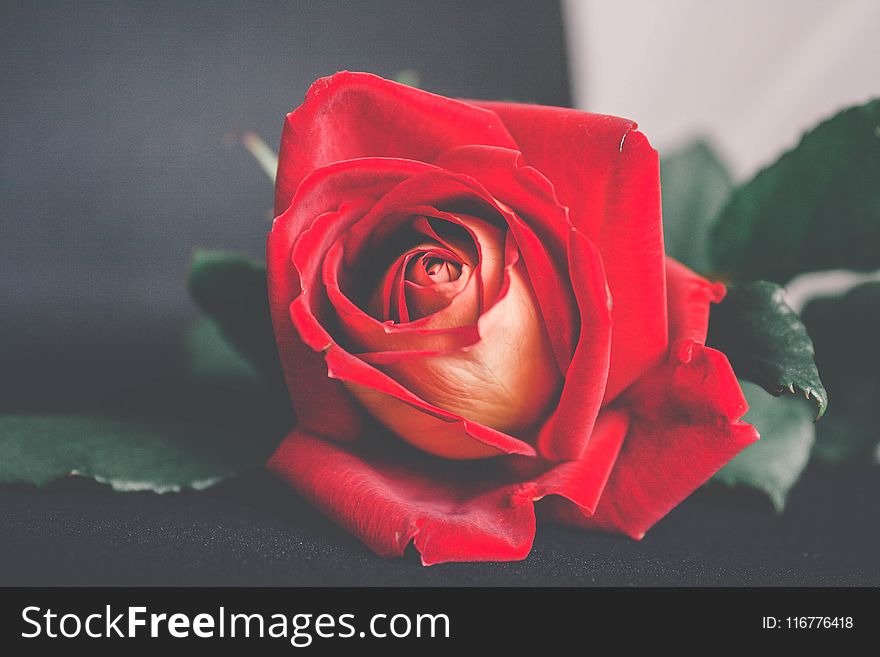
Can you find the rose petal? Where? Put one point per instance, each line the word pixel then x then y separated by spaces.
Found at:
pixel 388 498
pixel 321 404
pixel 314 215
pixel 504 173
pixel 422 301
pixel 685 428
pixel 568 432
pixel 689 301
pixel 464 243
pixel 549 231
pixel 438 189
pixel 685 416
pixel 541 226
pixel 327 188
pixel 607 174
pixel 483 252
pixel 581 481
pixel 439 196
pixel 433 429
pixel 339 117
pixel 477 511
pixel 393 298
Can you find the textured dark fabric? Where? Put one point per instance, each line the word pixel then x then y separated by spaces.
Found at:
pixel 256 531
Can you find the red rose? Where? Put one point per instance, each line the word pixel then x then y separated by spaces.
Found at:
pixel 485 282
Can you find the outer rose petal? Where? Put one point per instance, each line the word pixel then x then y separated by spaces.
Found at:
pixel 388 498
pixel 608 175
pixel 568 432
pixel 689 299
pixel 685 421
pixel 685 428
pixel 353 115
pixel 581 481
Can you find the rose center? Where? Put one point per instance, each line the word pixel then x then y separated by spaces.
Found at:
pixel 439 269
pixel 433 267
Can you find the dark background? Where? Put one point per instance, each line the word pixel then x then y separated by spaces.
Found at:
pixel 119 125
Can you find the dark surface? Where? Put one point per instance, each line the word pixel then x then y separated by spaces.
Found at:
pixel 255 531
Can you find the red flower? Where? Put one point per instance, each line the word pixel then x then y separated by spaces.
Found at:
pixel 486 282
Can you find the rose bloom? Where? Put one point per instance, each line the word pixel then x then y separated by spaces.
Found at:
pixel 477 322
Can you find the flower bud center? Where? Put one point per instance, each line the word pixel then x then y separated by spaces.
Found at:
pixel 433 266
pixel 439 269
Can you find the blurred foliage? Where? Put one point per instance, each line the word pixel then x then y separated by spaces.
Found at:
pixel 774 463
pixel 816 208
pixel 695 186
pixel 231 290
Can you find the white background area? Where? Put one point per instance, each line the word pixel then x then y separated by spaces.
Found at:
pixel 751 75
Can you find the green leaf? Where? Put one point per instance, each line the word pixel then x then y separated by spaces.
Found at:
pixel 695 186
pixel 845 332
pixel 816 208
pixel 766 342
pixel 231 290
pixel 774 463
pixel 223 389
pixel 212 360
pixel 127 453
